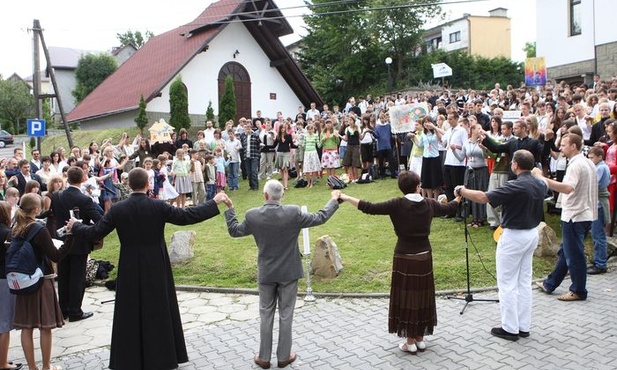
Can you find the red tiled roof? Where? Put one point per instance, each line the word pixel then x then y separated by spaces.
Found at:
pixel 154 65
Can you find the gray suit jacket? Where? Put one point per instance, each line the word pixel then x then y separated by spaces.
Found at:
pixel 275 228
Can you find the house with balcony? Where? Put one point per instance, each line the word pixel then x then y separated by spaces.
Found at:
pixel 486 36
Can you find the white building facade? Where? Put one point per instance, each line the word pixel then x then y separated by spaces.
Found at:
pixel 577 38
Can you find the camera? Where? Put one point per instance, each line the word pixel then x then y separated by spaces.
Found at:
pixel 61 232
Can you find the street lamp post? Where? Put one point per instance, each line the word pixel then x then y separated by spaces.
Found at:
pixel 388 62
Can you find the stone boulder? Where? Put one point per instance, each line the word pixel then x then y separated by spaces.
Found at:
pixel 548 244
pixel 181 246
pixel 326 258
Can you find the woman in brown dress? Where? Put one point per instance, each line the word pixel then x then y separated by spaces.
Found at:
pixel 40 309
pixel 413 312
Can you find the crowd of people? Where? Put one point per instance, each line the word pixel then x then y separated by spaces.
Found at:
pixel 470 144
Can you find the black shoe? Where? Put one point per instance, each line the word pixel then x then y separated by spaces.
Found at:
pixel 493 228
pixel 596 271
pixel 499 332
pixel 458 219
pixel 83 316
pixel 523 334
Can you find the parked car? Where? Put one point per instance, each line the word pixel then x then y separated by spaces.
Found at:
pixel 5 138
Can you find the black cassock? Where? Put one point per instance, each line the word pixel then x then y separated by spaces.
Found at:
pixel 147 329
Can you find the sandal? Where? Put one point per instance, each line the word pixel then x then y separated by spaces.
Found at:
pixel 421 345
pixel 406 347
pixel 54 367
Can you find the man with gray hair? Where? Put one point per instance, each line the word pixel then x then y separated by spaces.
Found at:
pixel 275 228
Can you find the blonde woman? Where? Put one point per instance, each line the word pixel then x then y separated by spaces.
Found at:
pixel 39 310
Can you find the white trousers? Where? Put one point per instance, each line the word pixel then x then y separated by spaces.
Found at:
pixel 514 271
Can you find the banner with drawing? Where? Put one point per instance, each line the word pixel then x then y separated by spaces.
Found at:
pixel 535 71
pixel 403 117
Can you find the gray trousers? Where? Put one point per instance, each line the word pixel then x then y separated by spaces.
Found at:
pixel 497 180
pixel 283 293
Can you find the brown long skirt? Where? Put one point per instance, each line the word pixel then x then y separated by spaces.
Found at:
pixel 413 312
pixel 39 310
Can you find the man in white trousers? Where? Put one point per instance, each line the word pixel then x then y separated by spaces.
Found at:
pixel 521 200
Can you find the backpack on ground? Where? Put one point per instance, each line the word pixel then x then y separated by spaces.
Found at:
pixel 24 272
pixel 336 183
pixel 365 178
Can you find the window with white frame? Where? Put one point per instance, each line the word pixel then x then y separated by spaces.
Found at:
pixel 455 37
pixel 575 17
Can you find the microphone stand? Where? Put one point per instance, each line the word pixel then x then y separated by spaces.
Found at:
pixel 468 298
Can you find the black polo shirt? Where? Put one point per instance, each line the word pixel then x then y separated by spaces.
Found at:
pixel 522 201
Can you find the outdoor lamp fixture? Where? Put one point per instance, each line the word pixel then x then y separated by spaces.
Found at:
pixel 236 53
pixel 388 62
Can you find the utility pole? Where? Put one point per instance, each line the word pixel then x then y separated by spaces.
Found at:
pixel 36 79
pixel 38 32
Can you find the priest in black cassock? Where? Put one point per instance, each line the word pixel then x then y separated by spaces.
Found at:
pixel 147 329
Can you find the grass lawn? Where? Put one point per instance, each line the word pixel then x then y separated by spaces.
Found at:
pixel 365 242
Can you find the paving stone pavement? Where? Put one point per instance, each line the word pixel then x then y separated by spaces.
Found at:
pixel 222 332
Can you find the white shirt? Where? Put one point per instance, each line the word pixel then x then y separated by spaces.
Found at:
pixel 458 137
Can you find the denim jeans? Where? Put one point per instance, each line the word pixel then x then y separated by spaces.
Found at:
pixel 252 172
pixel 571 257
pixel 598 236
pixel 210 191
pixel 232 176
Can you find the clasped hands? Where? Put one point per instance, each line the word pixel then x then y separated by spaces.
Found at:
pixel 223 198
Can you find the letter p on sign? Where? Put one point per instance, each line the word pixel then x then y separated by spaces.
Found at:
pixel 36 127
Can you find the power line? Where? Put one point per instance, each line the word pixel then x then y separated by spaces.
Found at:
pixel 332 3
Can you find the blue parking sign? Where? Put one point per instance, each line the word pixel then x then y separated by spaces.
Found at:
pixel 36 127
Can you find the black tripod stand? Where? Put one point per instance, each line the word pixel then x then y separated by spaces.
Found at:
pixel 468 298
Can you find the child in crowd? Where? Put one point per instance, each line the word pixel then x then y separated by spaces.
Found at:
pixel 197 178
pixel 148 166
pixel 210 178
pixel 123 186
pixel 180 171
pixel 221 179
pixel 311 163
pixel 167 190
pixel 233 147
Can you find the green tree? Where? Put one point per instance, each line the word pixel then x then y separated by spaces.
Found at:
pixel 16 105
pixel 210 112
pixel 91 71
pixel 142 119
pixel 530 49
pixel 227 105
pixel 346 44
pixel 133 38
pixel 179 105
pixel 396 27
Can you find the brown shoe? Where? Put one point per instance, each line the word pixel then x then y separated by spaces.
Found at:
pixel 261 363
pixel 570 296
pixel 290 359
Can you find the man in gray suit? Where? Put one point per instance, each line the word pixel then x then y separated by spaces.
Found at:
pixel 275 228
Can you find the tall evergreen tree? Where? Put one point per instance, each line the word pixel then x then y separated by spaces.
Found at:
pixel 179 105
pixel 227 105
pixel 142 119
